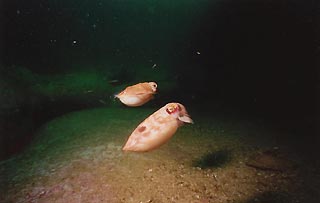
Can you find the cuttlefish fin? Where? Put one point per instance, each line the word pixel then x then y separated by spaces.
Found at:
pixel 185 119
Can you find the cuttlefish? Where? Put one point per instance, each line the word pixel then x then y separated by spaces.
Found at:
pixel 158 128
pixel 137 95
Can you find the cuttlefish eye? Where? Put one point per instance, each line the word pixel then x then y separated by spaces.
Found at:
pixel 153 85
pixel 172 108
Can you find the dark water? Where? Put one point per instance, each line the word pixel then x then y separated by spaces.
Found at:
pixel 251 58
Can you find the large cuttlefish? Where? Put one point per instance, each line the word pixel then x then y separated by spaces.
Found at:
pixel 158 128
pixel 137 95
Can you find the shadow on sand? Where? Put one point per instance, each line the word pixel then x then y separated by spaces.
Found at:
pixel 213 159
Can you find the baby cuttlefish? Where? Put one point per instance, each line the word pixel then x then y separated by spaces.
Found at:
pixel 137 95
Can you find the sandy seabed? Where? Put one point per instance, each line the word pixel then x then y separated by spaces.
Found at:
pixel 78 158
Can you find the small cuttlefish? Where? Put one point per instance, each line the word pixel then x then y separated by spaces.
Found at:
pixel 137 95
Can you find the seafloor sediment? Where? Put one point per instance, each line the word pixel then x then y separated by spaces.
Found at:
pixel 78 158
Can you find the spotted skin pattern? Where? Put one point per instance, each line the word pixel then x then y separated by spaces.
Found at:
pixel 158 128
